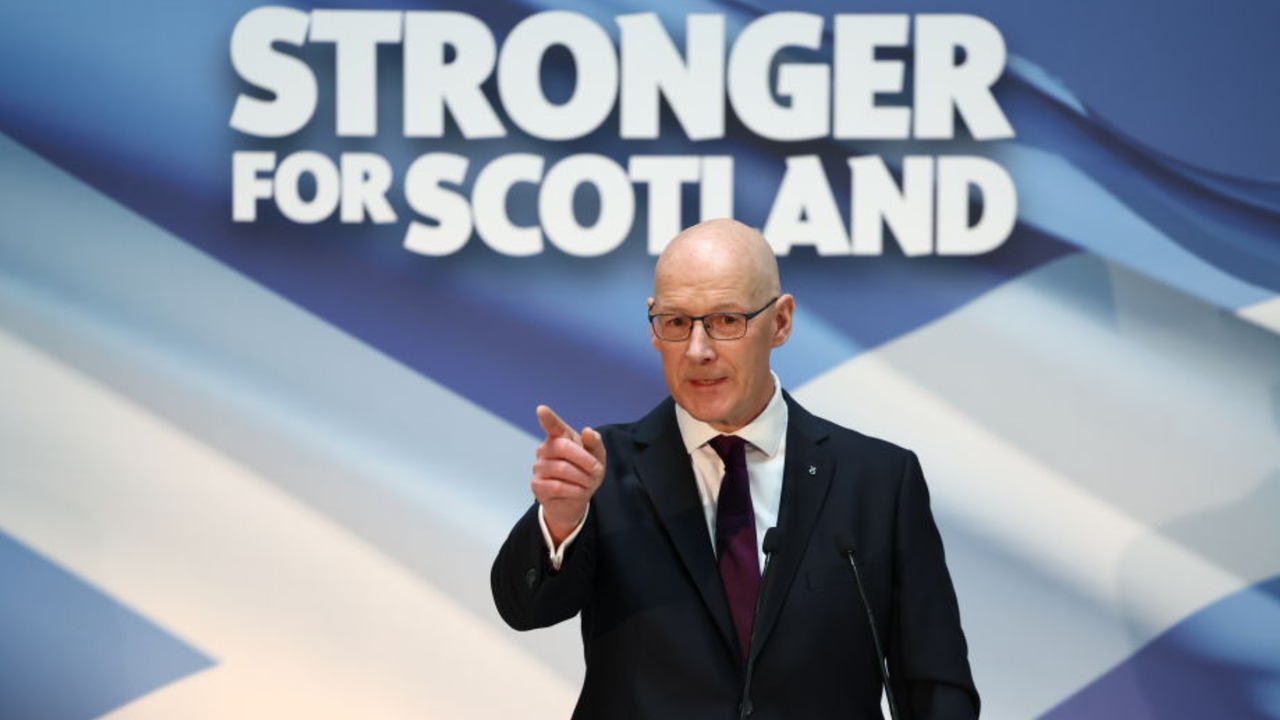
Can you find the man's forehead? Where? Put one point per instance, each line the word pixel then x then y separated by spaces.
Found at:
pixel 708 297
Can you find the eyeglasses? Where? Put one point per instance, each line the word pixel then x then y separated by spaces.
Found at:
pixel 676 327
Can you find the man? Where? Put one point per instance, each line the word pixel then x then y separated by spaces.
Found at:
pixel 653 530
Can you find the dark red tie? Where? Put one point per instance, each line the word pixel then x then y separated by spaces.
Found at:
pixel 736 537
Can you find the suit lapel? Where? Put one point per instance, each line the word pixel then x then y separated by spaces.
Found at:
pixel 667 475
pixel 806 479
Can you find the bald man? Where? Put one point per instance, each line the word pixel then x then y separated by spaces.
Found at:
pixel 654 531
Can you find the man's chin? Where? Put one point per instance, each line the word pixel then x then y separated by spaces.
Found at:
pixel 710 413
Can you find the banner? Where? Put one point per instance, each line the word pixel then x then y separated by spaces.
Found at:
pixel 281 286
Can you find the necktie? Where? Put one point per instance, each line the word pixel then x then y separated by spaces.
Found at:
pixel 736 537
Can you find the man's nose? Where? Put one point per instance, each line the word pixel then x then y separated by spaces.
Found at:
pixel 701 347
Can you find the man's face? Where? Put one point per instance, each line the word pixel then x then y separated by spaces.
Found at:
pixel 725 383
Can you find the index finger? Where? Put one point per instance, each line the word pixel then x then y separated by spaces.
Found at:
pixel 553 426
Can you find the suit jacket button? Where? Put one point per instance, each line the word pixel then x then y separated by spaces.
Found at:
pixel 531 577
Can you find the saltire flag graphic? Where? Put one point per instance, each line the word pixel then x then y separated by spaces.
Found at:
pixel 259 471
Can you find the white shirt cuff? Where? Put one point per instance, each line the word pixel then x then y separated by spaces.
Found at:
pixel 557 553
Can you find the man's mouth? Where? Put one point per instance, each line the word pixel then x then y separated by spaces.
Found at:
pixel 706 383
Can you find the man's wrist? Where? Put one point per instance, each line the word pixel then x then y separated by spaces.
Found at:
pixel 556 548
pixel 560 531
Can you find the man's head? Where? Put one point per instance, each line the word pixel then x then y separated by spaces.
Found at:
pixel 721 266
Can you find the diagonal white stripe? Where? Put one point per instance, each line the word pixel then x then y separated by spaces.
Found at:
pixel 1265 313
pixel 1069 443
pixel 304 618
pixel 161 455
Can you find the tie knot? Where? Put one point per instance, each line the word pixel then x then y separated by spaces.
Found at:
pixel 731 449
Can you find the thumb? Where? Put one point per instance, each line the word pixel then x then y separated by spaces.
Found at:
pixel 593 444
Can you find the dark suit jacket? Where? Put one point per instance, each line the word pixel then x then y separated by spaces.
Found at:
pixel 656 629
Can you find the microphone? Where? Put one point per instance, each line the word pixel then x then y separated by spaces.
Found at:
pixel 772 541
pixel 847 549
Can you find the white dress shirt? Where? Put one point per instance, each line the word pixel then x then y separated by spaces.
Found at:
pixel 766 438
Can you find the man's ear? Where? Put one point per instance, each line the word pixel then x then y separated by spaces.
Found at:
pixel 782 320
pixel 653 337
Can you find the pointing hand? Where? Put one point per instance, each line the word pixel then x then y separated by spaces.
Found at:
pixel 568 471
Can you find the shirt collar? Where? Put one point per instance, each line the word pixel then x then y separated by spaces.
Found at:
pixel 765 432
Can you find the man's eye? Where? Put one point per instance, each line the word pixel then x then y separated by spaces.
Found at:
pixel 725 321
pixel 676 322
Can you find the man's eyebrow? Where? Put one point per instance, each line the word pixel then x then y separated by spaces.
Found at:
pixel 723 307
pixel 660 307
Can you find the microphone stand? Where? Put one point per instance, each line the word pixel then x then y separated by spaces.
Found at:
pixel 847 549
pixel 772 540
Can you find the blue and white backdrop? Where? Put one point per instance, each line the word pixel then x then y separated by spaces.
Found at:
pixel 281 286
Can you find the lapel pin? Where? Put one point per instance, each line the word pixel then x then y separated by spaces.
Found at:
pixel 813 469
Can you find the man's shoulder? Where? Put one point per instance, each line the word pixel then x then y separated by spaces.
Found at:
pixel 844 439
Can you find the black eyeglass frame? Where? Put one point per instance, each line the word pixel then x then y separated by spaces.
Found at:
pixel 746 318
